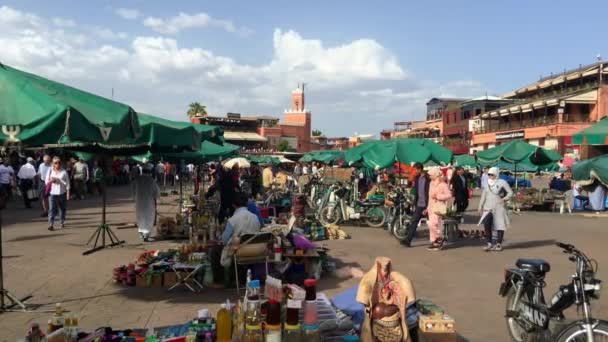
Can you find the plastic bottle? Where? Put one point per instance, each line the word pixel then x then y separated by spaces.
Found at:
pixel 311 324
pixel 253 321
pixel 58 320
pixel 224 324
pixel 273 321
pixel 238 323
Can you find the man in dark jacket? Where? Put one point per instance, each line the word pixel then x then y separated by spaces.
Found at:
pixel 421 201
pixel 460 190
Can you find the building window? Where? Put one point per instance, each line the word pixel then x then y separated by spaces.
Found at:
pixel 541 142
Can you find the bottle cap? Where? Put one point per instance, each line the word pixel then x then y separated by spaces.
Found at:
pixel 310 282
pixel 254 284
pixel 203 313
pixel 223 306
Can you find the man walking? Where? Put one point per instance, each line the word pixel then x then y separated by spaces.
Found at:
pixel 26 176
pixel 80 176
pixel 43 171
pixel 460 190
pixel 421 199
pixel 7 175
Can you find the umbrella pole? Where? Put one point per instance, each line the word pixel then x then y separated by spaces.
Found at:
pixel 181 186
pixel 515 171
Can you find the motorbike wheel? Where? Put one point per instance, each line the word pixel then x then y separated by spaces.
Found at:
pixel 576 333
pixel 329 215
pixel 400 229
pixel 375 217
pixel 517 332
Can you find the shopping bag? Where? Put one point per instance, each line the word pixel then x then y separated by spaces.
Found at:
pixel 32 194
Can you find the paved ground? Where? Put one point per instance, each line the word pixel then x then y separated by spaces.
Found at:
pixel 464 280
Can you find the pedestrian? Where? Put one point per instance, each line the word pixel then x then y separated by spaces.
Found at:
pixel 314 168
pixel 169 174
pixel 59 192
pixel 26 177
pixel 297 170
pixel 227 188
pixel 7 177
pixel 421 201
pixel 80 177
pixel 146 193
pixel 98 178
pixel 267 178
pixel 439 195
pixel 484 178
pixel 256 179
pixel 305 170
pixel 160 173
pixel 460 190
pixel 43 172
pixel 492 207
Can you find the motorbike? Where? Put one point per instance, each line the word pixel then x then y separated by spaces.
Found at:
pixel 400 212
pixel 530 318
pixel 341 207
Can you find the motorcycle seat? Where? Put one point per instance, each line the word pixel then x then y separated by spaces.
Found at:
pixel 369 203
pixel 538 266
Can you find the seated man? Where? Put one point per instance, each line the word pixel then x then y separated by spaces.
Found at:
pixel 241 223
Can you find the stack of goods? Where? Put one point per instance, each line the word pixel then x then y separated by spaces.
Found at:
pixel 335 233
pixel 433 323
pixel 154 268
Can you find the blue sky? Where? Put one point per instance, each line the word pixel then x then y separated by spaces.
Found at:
pixel 367 63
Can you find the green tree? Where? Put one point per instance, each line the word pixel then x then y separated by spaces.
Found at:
pixel 283 146
pixel 316 133
pixel 196 109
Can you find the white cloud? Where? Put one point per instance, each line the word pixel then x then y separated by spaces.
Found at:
pixel 184 21
pixel 356 86
pixel 128 13
pixel 62 22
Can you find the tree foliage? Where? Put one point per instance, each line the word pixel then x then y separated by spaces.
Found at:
pixel 283 146
pixel 196 109
pixel 316 133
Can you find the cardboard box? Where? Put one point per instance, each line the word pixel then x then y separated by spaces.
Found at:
pixel 437 337
pixel 170 279
pixel 141 280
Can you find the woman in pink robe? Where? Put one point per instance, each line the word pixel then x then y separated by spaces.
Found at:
pixel 439 191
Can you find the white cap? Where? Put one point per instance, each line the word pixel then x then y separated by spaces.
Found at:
pixel 494 171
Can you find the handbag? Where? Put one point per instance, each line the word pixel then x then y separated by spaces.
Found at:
pixel 439 208
pixel 47 189
pixel 31 194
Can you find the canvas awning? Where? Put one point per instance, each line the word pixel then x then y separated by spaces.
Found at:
pixel 588 97
pixel 244 136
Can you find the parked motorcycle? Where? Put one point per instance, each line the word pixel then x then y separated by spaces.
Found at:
pixel 529 318
pixel 343 207
pixel 399 213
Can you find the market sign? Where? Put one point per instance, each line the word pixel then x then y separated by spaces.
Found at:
pixel 510 135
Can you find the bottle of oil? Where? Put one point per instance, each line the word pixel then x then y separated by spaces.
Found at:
pixel 224 324
pixel 58 320
pixel 253 320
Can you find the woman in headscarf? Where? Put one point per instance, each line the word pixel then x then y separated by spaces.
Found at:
pixel 492 206
pixel 439 194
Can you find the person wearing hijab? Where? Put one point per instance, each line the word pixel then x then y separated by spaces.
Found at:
pixel 492 206
pixel 146 192
pixel 439 193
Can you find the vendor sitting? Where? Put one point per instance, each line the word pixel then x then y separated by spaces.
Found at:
pixel 241 223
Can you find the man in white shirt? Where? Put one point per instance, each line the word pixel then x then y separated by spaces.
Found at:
pixel 160 173
pixel 80 175
pixel 43 172
pixel 26 176
pixel 7 176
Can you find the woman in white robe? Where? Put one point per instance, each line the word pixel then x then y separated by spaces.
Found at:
pixel 146 193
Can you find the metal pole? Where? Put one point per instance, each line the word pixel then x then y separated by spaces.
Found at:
pixel 181 185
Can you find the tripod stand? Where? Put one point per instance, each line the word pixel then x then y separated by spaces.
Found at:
pixel 102 231
pixel 14 303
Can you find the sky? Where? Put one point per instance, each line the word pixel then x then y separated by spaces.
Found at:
pixel 366 64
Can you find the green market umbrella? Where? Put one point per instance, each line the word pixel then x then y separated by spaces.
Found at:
pixel 35 111
pixel 383 154
pixel 164 135
pixel 520 156
pixel 322 156
pixel 208 151
pixel 353 155
pixel 587 171
pixel 265 160
pixel 594 135
pixel 464 160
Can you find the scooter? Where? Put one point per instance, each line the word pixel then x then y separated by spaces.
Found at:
pixel 342 208
pixel 400 213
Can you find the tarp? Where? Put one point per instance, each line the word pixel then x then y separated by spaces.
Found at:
pixel 322 156
pixel 208 151
pixel 35 111
pixel 520 156
pixel 594 135
pixel 164 135
pixel 384 153
pixel 587 171
pixel 264 160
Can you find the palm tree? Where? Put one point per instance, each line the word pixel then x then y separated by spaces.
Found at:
pixel 196 109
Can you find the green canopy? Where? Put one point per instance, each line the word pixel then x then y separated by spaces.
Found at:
pixel 322 156
pixel 594 135
pixel 464 160
pixel 208 151
pixel 384 153
pixel 172 136
pixel 518 155
pixel 264 160
pixel 35 111
pixel 587 171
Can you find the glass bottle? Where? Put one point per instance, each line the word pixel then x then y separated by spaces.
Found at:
pixel 293 331
pixel 273 321
pixel 224 324
pixel 253 320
